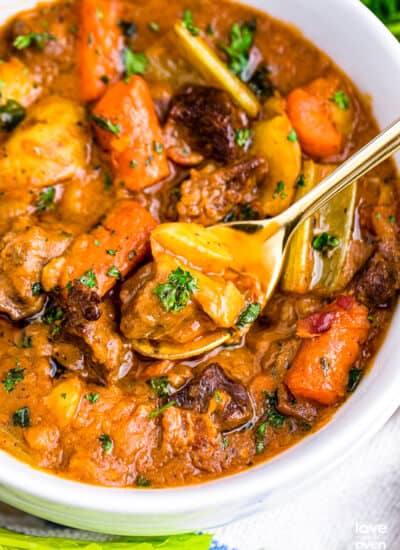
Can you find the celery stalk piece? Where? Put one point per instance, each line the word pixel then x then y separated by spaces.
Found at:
pixel 210 66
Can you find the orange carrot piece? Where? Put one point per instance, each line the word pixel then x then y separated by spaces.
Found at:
pixel 310 111
pixel 112 249
pixel 99 46
pixel 126 124
pixel 332 344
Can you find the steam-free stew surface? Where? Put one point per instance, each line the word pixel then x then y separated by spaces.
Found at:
pixel 109 129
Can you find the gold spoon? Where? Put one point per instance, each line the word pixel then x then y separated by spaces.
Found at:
pixel 261 245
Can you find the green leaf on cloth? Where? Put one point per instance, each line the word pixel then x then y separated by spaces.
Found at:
pixel 14 541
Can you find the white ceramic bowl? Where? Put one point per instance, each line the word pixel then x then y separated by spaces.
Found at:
pixel 359 44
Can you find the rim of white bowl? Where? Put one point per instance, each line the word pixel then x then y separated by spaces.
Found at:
pixel 314 455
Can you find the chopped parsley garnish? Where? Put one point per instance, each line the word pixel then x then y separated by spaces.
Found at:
pixel 107 181
pixel 133 164
pixel 292 136
pixel 53 316
pixel 142 481
pixel 37 289
pixel 11 114
pixel 238 50
pixel 341 100
pixel 106 125
pixel 391 219
pixel 225 442
pixel 111 252
pixel 106 443
pixel 155 27
pixel 114 272
pixel 187 22
pixel 325 243
pixel 159 411
pixel 158 147
pixel 175 294
pixel 324 364
pixel 217 397
pixel 92 397
pixel 105 79
pixel 46 199
pixel 128 28
pixel 354 379
pixel 12 378
pixel 260 437
pixel 21 418
pixel 301 181
pixel 242 137
pixel 249 315
pixel 273 417
pixel 160 385
pixel 135 62
pixel 25 343
pixel 279 191
pixel 241 212
pixel 38 39
pixel 89 279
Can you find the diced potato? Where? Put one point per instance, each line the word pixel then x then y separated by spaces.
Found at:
pixel 194 243
pixel 222 301
pixel 18 83
pixel 48 147
pixel 272 141
pixel 64 401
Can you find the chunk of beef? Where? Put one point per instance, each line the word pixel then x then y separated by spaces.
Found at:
pixel 212 194
pixel 297 408
pixel 206 120
pixel 23 253
pixel 197 394
pixel 82 304
pixel 379 283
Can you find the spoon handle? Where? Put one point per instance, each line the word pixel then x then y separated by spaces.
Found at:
pixel 378 150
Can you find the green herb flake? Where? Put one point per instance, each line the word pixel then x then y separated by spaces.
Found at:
pixel 391 219
pixel 279 191
pixel 292 136
pixel 142 481
pixel 37 289
pixel 158 147
pixel 273 417
pixel 38 39
pixel 133 164
pixel 106 125
pixel 25 343
pixel 107 181
pixel 105 79
pixel 249 315
pixel 187 22
pixel 21 417
pixel 114 272
pixel 260 437
pixel 46 199
pixel 106 443
pixel 92 397
pixel 354 379
pixel 341 100
pixel 324 364
pixel 11 114
pixel 111 252
pixel 224 442
pixel 160 385
pixel 324 243
pixel 159 411
pixel 155 27
pixel 242 137
pixel 135 62
pixel 89 279
pixel 13 377
pixel 238 50
pixel 175 294
pixel 301 181
pixel 217 397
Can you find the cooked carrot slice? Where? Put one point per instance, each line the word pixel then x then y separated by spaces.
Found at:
pixel 314 116
pixel 99 47
pixel 126 124
pixel 331 345
pixel 111 250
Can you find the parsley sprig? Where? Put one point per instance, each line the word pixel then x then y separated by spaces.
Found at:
pixel 176 292
pixel 238 51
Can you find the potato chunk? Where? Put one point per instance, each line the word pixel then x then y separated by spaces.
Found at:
pixel 64 400
pixel 48 147
pixel 18 83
